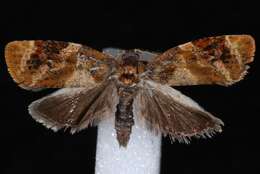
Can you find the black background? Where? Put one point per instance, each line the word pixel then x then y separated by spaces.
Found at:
pixel 27 147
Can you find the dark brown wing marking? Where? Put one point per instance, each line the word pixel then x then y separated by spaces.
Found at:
pixel 168 111
pixel 56 64
pixel 75 107
pixel 214 60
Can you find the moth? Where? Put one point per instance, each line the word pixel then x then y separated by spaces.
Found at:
pixel 129 84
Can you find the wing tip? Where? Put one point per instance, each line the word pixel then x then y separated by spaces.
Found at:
pixel 245 45
pixel 16 49
pixel 40 119
pixel 14 52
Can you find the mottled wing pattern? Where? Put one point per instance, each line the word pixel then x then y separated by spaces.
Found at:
pixel 76 108
pixel 214 60
pixel 169 112
pixel 56 64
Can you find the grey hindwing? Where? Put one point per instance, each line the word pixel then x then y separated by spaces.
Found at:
pixel 166 110
pixel 76 108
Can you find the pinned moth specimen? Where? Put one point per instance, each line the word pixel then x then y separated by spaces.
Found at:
pixel 132 83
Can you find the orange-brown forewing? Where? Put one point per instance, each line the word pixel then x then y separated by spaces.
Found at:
pixel 55 64
pixel 214 60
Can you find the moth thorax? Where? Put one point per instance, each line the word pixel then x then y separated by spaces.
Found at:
pixel 129 68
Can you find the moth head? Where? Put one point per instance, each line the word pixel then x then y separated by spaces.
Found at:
pixel 130 58
pixel 129 67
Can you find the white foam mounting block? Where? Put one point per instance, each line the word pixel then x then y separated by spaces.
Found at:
pixel 142 155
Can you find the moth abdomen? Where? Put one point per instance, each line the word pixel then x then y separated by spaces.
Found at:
pixel 124 117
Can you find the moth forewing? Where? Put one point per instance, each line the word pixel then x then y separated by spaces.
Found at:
pixel 218 60
pixel 56 64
